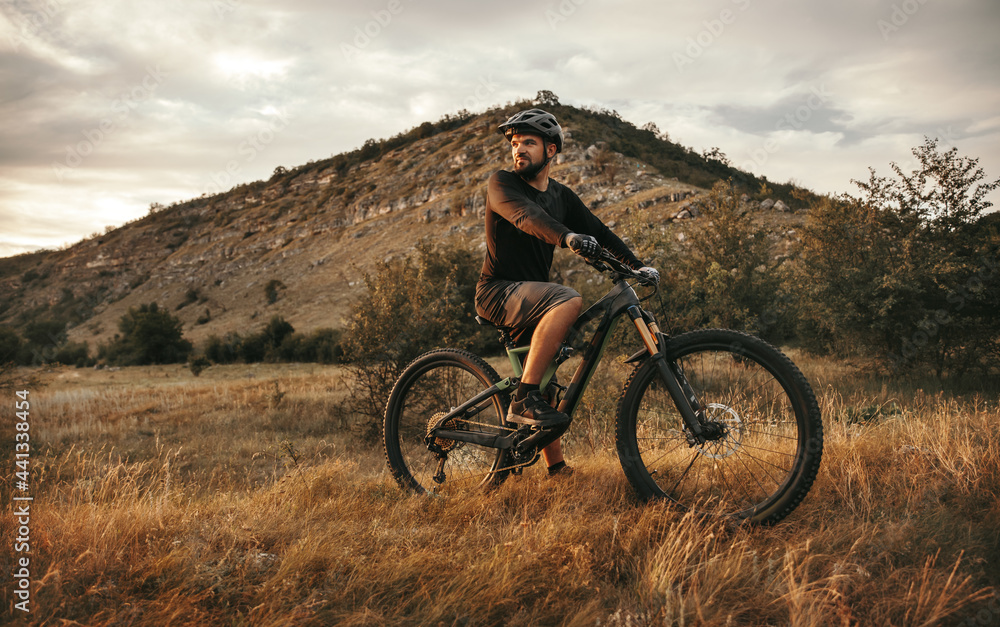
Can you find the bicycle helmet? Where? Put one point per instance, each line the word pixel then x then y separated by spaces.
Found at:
pixel 536 122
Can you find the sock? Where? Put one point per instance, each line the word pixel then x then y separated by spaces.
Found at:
pixel 523 389
pixel 554 468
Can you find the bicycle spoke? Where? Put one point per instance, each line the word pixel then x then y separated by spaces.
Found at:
pixel 673 490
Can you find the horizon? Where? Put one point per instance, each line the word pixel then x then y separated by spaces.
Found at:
pixel 111 109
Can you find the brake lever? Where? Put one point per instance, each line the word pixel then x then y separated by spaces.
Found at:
pixel 606 262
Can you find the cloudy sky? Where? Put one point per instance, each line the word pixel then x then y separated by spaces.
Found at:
pixel 108 106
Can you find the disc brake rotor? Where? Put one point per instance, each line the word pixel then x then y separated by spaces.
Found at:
pixel 732 441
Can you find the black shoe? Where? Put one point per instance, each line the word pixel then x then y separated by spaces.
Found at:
pixel 560 470
pixel 533 410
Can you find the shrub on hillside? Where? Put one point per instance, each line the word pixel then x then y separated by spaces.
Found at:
pixel 735 279
pixel 272 291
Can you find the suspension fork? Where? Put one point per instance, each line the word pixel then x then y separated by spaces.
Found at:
pixel 671 374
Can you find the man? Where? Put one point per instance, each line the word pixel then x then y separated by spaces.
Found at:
pixel 527 216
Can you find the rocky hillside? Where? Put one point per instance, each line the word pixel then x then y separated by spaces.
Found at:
pixel 300 244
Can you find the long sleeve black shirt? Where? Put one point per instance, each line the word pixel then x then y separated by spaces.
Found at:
pixel 524 225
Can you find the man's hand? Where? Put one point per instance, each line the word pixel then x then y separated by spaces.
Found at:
pixel 649 274
pixel 583 245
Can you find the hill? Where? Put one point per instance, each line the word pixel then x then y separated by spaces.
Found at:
pixel 300 243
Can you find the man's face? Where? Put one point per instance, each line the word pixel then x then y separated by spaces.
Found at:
pixel 528 151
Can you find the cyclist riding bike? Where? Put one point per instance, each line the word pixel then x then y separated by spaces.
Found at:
pixel 528 214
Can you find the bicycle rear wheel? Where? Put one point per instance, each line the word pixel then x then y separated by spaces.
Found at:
pixel 428 389
pixel 768 454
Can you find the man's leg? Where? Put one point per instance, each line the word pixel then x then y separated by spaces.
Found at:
pixel 548 337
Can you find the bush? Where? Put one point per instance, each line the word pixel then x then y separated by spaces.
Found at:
pixel 10 345
pixel 321 346
pixel 724 274
pixel 272 291
pixel 198 365
pixel 413 305
pixel 42 340
pixel 277 341
pixel 223 350
pixel 907 271
pixel 735 279
pixel 191 296
pixel 324 346
pixel 74 354
pixel 149 335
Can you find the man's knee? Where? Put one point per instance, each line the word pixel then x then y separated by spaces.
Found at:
pixel 575 303
pixel 569 307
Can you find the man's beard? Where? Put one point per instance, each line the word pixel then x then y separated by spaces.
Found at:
pixel 530 171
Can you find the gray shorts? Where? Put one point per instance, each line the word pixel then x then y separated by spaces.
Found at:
pixel 520 305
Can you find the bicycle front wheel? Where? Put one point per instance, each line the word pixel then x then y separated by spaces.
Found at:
pixel 429 388
pixel 768 434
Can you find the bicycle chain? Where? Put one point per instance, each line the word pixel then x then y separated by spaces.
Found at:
pixel 533 459
pixel 483 424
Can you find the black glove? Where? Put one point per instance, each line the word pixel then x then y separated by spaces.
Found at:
pixel 649 274
pixel 583 245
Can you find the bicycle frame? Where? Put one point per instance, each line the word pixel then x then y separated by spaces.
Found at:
pixel 620 301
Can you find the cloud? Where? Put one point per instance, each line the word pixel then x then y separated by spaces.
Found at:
pixel 340 73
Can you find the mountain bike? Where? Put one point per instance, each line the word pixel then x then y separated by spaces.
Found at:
pixel 714 420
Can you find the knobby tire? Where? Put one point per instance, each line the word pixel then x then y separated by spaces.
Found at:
pixel 431 385
pixel 765 464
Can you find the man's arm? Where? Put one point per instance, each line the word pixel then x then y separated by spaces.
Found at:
pixel 510 202
pixel 582 220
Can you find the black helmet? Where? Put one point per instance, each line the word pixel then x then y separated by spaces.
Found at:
pixel 536 122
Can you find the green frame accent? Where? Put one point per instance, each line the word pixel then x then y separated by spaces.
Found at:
pixel 516 357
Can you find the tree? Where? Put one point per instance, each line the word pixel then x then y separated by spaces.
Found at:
pixel 651 127
pixel 906 272
pixel 714 154
pixel 276 331
pixel 149 335
pixel 546 98
pixel 425 130
pixel 734 278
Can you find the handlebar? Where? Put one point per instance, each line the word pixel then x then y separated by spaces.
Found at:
pixel 607 263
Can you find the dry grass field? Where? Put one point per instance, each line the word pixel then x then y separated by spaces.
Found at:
pixel 246 496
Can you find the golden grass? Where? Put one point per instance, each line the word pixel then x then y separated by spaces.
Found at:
pixel 243 497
